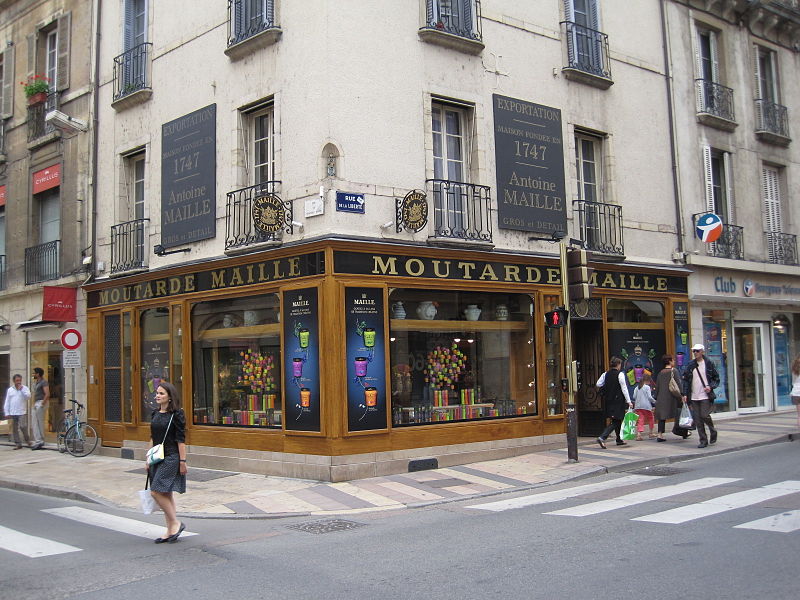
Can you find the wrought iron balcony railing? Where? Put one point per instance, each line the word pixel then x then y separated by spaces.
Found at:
pixel 782 248
pixel 132 70
pixel 587 50
pixel 461 210
pixel 128 246
pixel 772 118
pixel 2 271
pixel 255 215
pixel 248 18
pixel 37 127
pixel 730 243
pixel 600 226
pixel 457 17
pixel 714 99
pixel 42 262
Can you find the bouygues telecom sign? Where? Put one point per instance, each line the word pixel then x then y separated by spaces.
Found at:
pixel 46 179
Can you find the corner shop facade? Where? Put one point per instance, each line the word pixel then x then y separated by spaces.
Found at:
pixel 335 360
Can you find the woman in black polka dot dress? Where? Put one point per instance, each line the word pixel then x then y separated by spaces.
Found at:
pixel 168 425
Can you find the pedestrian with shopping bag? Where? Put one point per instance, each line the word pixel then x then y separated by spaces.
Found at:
pixel 668 395
pixel 699 380
pixel 613 388
pixel 643 404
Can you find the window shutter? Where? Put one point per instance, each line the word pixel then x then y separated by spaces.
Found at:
pixel 7 110
pixel 712 38
pixel 709 179
pixel 757 73
pixel 569 13
pixel 594 14
pixel 466 12
pixel 773 220
pixel 31 54
pixel 63 51
pixel 127 34
pixel 429 16
pixel 698 70
pixel 239 19
pixel 727 160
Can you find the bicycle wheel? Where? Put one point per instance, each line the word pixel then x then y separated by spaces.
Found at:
pixel 61 432
pixel 81 439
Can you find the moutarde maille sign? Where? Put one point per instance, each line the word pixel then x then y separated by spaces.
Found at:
pixel 396 265
pixel 264 271
pixel 189 177
pixel 529 153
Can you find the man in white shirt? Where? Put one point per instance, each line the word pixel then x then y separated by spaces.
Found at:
pixel 16 410
pixel 699 380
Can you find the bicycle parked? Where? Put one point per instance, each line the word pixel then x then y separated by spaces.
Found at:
pixel 73 435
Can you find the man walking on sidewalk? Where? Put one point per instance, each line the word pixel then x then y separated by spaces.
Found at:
pixel 16 410
pixel 699 380
pixel 41 395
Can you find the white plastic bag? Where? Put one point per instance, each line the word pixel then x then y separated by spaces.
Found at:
pixel 685 419
pixel 146 500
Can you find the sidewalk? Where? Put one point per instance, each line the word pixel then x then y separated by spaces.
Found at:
pixel 114 481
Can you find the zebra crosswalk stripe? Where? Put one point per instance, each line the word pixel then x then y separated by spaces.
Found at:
pixel 640 497
pixel 112 522
pixel 785 522
pixel 556 495
pixel 31 545
pixel 723 503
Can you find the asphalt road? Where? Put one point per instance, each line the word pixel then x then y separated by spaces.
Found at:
pixel 687 541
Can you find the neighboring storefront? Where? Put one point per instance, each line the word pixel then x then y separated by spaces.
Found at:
pixel 347 353
pixel 749 325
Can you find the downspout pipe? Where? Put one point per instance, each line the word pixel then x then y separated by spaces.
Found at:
pixel 95 135
pixel 674 152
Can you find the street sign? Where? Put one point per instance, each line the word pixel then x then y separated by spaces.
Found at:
pixel 71 339
pixel 71 359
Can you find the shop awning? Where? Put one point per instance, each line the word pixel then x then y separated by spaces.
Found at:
pixel 38 324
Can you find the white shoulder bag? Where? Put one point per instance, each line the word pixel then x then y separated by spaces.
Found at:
pixel 156 454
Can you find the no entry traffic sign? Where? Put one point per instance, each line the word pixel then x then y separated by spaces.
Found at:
pixel 71 339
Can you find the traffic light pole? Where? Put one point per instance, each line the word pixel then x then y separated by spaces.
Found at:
pixel 572 415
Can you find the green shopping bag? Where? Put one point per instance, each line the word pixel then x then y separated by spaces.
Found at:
pixel 628 430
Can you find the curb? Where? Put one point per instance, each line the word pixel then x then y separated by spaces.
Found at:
pixel 69 494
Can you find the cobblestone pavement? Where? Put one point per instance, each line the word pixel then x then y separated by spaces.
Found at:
pixel 114 481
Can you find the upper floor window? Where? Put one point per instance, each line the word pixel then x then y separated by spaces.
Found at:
pixel 588 163
pixel 263 140
pixel 766 74
pixel 772 119
pixel 717 169
pixel 707 55
pixel 6 87
pixel 449 142
pixel 135 25
pixel 253 22
pixel 454 24
pixel 49 49
pixel 781 247
pixel 587 46
pixel 51 56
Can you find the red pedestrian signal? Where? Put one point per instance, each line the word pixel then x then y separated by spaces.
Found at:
pixel 556 317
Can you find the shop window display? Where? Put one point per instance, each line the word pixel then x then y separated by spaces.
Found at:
pixel 716 338
pixel 155 356
pixel 237 362
pixel 458 356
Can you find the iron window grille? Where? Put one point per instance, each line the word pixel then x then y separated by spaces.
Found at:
pixel 600 226
pixel 128 248
pixel 772 118
pixel 248 18
pixel 782 248
pixel 587 50
pixel 37 126
pixel 240 230
pixel 730 243
pixel 131 70
pixel 42 262
pixel 461 210
pixel 714 99
pixel 457 17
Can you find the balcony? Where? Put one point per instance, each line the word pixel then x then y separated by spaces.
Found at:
pixel 256 217
pixel 587 56
pixel 128 248
pixel 41 262
pixel 730 243
pixel 460 212
pixel 38 130
pixel 600 227
pixel 251 26
pixel 454 24
pixel 715 105
pixel 2 271
pixel 132 76
pixel 782 248
pixel 772 123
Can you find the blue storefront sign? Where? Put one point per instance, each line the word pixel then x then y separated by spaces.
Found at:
pixel 352 203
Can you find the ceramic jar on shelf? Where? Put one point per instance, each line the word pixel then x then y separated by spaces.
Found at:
pixel 472 312
pixel 426 310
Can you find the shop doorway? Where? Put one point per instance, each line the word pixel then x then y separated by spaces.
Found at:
pixel 588 351
pixel 752 355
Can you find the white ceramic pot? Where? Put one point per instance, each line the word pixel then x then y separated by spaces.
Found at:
pixel 398 310
pixel 426 310
pixel 472 312
pixel 501 312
